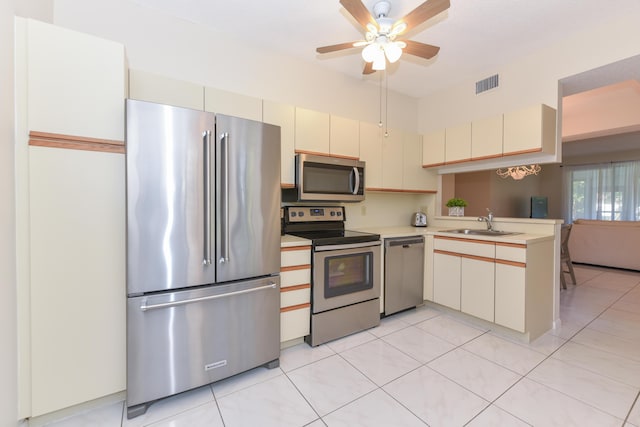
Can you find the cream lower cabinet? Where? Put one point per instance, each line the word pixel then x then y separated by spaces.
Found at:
pixel 510 296
pixel 509 284
pixel 295 292
pixel 477 287
pixel 446 280
pixel 463 275
pixel 77 276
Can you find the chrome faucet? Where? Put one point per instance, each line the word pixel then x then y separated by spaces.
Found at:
pixel 488 219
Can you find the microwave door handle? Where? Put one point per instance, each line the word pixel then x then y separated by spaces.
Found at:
pixel 206 136
pixel 356 176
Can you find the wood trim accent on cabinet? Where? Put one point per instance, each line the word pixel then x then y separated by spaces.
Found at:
pixel 461 239
pixel 475 257
pixel 295 248
pixel 512 245
pixel 73 142
pixel 397 190
pixel 316 153
pixel 295 307
pixel 512 263
pixel 295 287
pixel 529 151
pixel 296 267
pixel 433 165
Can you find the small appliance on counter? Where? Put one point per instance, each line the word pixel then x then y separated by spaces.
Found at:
pixel 419 219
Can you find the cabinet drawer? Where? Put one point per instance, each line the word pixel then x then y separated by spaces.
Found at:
pixel 295 277
pixel 295 296
pixel 296 255
pixel 294 324
pixel 467 247
pixel 508 252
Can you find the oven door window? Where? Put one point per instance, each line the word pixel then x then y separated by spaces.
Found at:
pixel 346 274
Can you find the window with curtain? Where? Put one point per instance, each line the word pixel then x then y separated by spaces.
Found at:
pixel 608 191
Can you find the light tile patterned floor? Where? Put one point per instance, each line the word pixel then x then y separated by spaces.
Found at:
pixel 424 367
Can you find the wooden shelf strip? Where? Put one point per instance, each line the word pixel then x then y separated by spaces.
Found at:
pixel 295 307
pixel 73 142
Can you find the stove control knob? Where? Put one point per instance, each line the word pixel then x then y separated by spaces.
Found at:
pixel 333 213
pixel 293 214
pixel 300 213
pixel 339 213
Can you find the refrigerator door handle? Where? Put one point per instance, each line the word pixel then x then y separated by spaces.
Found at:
pixel 145 307
pixel 224 209
pixel 206 136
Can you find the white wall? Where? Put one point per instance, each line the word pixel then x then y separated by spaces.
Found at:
pixel 183 50
pixel 533 79
pixel 8 312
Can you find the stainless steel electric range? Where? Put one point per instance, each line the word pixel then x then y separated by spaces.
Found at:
pixel 345 272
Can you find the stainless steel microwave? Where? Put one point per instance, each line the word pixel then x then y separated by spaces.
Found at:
pixel 324 178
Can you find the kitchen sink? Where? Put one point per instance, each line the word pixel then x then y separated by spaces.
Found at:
pixel 473 232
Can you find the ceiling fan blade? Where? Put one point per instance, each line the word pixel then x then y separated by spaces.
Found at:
pixel 335 47
pixel 368 68
pixel 422 50
pixel 425 11
pixel 359 11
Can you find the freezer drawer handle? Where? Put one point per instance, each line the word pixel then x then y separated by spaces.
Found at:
pixel 145 307
pixel 207 197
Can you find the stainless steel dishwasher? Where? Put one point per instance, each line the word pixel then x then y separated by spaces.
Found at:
pixel 403 273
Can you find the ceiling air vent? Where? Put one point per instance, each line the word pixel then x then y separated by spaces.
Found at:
pixel 487 84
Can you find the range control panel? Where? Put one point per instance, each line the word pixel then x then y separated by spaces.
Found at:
pixel 313 213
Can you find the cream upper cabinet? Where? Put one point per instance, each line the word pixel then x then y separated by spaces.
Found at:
pixel 414 176
pixel 151 87
pixel 344 138
pixel 371 153
pixel 530 130
pixel 312 131
pixel 486 138
pixel 76 82
pixel 232 104
pixel 433 148
pixel 283 115
pixel 458 143
pixel 392 160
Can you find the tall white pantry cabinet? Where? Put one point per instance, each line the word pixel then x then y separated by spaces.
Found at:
pixel 70 90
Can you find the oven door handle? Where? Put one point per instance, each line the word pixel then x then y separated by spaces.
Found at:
pixel 324 248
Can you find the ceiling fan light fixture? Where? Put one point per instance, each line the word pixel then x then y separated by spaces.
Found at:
pixel 398 28
pixel 379 63
pixel 393 51
pixel 370 53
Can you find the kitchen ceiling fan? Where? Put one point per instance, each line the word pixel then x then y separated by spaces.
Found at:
pixel 381 39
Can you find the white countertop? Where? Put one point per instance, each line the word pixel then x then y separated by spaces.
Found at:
pixel 401 231
pixel 288 241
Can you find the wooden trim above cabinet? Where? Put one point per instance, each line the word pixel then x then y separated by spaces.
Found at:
pixel 529 151
pixel 296 267
pixel 434 165
pixel 295 287
pixel 474 257
pixel 295 248
pixel 512 245
pixel 316 153
pixel 73 142
pixel 397 190
pixel 462 239
pixel 295 307
pixel 511 263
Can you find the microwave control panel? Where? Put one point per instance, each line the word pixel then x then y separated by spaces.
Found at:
pixel 313 213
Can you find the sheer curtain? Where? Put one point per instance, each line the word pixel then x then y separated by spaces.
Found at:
pixel 608 191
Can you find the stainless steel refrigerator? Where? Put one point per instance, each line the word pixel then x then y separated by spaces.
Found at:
pixel 203 249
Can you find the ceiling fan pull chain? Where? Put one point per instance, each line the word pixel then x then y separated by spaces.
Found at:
pixel 380 93
pixel 386 104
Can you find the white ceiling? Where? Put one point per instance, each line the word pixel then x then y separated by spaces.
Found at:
pixel 476 37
